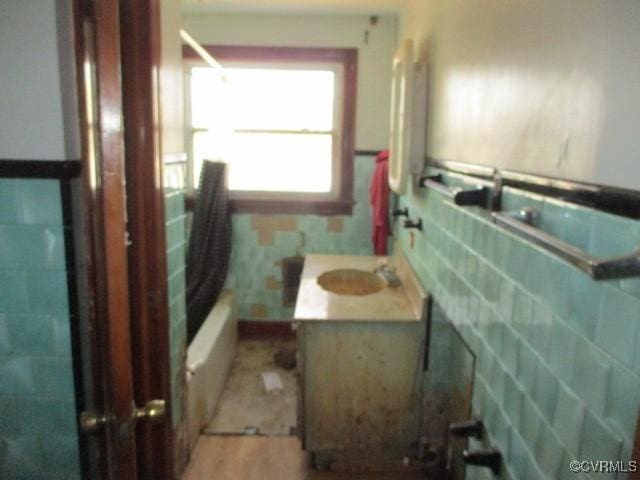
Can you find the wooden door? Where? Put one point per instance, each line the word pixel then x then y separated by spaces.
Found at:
pixel 120 241
pixel 101 245
pixel 140 39
pixel 116 352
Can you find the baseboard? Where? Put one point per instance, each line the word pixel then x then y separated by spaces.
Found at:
pixel 266 329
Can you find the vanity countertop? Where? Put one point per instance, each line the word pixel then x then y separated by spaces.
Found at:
pixel 402 304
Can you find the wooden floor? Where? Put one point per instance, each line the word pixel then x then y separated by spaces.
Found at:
pixel 265 458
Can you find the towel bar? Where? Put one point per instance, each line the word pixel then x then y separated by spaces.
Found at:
pixel 479 197
pixel 523 222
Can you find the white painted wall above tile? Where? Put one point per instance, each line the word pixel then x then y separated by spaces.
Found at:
pixel 543 87
pixel 38 114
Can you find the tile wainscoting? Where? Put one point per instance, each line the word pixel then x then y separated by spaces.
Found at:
pixel 38 433
pixel 557 354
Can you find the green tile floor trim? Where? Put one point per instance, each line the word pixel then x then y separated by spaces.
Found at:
pixel 557 354
pixel 176 269
pixel 38 436
pixel 252 263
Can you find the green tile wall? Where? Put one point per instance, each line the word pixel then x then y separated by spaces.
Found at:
pixel 557 354
pixel 38 437
pixel 176 248
pixel 253 264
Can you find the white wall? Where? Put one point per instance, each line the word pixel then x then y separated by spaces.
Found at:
pixel 171 76
pixel 38 119
pixel 338 31
pixel 548 87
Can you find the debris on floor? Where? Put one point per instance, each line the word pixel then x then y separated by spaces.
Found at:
pixel 285 358
pixel 244 401
pixel 272 382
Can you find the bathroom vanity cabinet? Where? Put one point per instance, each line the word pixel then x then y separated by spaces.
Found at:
pixel 361 362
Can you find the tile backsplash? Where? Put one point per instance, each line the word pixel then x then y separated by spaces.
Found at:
pixel 557 353
pixel 261 241
pixel 38 436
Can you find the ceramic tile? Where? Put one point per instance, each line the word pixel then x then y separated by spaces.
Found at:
pixel 510 349
pixel 530 421
pixel 13 285
pixel 534 472
pixel 560 376
pixel 568 419
pixel 47 292
pixel 618 325
pixel 527 362
pixel 61 456
pixel 497 379
pixel 631 286
pixel 5 338
pixel 506 300
pixel 591 375
pixel 612 236
pixel 538 274
pixel 500 430
pixel 577 227
pixel 552 218
pixel 554 288
pixel 599 442
pixel 53 377
pixel 175 231
pixel 176 258
pixel 541 328
pixel 478 394
pixel 32 334
pixel 40 201
pixel 522 312
pixel 545 390
pixel 549 452
pixel 584 303
pixel 31 247
pixel 9 206
pixel 519 455
pixel 518 259
pixel 623 398
pixel 492 330
pixel 513 401
pixel 17 376
pixel 174 204
pixel 562 349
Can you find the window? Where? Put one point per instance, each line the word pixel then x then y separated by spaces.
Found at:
pixel 282 118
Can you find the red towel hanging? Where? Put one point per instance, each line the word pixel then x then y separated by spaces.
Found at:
pixel 379 198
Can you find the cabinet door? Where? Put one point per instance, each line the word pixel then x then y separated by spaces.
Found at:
pixel 362 387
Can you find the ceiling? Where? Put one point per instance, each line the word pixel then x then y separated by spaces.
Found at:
pixel 368 7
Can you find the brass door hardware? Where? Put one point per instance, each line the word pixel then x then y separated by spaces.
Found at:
pixel 92 423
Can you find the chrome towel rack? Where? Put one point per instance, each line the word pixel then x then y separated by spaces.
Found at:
pixel 479 197
pixel 523 223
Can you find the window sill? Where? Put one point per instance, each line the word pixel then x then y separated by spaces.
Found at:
pixel 308 207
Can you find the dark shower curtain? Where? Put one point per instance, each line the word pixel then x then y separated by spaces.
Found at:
pixel 209 245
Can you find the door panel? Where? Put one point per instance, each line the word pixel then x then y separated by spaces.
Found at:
pixel 147 247
pixel 101 223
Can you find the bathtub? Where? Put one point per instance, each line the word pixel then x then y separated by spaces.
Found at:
pixel 209 359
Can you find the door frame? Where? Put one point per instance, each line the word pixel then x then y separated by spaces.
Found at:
pixel 122 292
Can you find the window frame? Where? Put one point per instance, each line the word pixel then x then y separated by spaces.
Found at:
pixel 340 200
